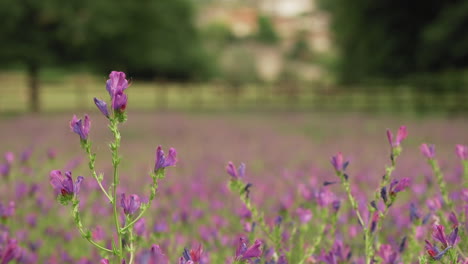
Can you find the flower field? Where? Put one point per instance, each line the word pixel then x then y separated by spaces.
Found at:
pixel 231 187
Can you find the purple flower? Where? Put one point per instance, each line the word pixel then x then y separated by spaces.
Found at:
pixel 102 106
pixel 5 169
pixel 428 150
pixel 81 127
pixel 98 233
pixel 387 254
pixel 194 255
pixel 65 185
pixel 244 253
pixel 131 204
pixel 156 256
pixel 235 173
pixel 9 157
pixel 104 261
pixel 10 251
pixel 397 186
pixel 162 161
pixel 116 82
pixel 338 162
pixel 462 152
pixel 7 211
pixel 305 215
pixel 140 227
pixel 116 86
pixel 434 251
pixel 438 233
pixel 374 220
pixel 51 153
pixel 401 135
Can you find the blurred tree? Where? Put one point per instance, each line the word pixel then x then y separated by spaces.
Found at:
pixel 146 38
pixel 266 31
pixel 397 38
pixel 38 33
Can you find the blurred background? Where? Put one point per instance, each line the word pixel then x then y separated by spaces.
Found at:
pixel 388 56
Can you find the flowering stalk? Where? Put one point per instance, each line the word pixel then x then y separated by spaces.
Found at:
pixel 429 152
pixel 462 153
pixel 115 164
pixel 340 166
pixel 318 240
pixel 239 186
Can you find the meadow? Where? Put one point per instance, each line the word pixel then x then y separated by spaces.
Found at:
pixel 298 208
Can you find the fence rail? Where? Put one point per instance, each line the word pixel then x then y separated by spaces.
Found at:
pixel 78 92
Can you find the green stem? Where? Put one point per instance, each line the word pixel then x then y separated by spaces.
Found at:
pixel 92 159
pixel 317 242
pixel 79 224
pixel 131 247
pixel 354 205
pixel 440 181
pixel 115 163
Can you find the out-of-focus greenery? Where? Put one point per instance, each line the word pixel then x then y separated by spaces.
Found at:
pixel 147 38
pixel 266 32
pixel 398 39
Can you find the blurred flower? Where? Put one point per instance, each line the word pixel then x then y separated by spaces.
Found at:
pixel 244 253
pixel 51 153
pixel 9 251
pixel 5 169
pixel 81 127
pixel 102 106
pixel 304 215
pixel 194 255
pixel 163 162
pixel 65 185
pixel 9 157
pixel 338 162
pixel 462 152
pixel 375 218
pixel 7 211
pixel 401 135
pixel 130 204
pixel 154 256
pixel 428 150
pixel 104 261
pixel 398 185
pixel 236 174
pixel 98 233
pixel 140 227
pixel 434 251
pixel 387 254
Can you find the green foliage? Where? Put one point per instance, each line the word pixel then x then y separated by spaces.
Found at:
pixel 393 39
pixel 145 37
pixel 301 50
pixel 266 31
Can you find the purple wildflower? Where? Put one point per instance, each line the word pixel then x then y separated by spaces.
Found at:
pixel 163 162
pixel 116 86
pixel 81 127
pixel 428 150
pixel 10 251
pixel 387 254
pixel 338 162
pixel 104 261
pixel 194 255
pixel 156 256
pixel 5 169
pixel 244 253
pixel 7 211
pixel 102 106
pixel 236 174
pixel 9 157
pixel 462 152
pixel 305 215
pixel 398 185
pixel 131 204
pixel 434 251
pixel 140 227
pixel 401 135
pixel 65 185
